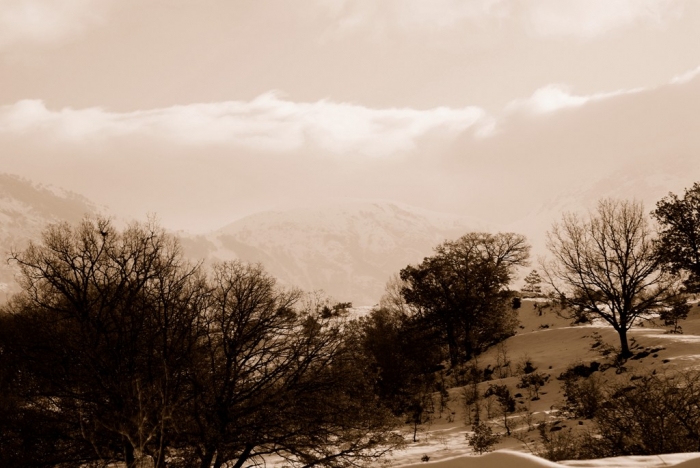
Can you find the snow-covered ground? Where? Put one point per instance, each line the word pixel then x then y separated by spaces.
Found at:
pixel 552 344
pixel 509 458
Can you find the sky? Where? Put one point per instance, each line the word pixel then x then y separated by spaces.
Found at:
pixel 203 111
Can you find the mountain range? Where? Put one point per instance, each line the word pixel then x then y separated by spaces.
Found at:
pixel 349 249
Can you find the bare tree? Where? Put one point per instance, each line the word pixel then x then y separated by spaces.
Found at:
pixel 392 299
pixel 127 353
pixel 110 316
pixel 277 378
pixel 606 266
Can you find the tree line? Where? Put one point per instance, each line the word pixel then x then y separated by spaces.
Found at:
pixel 118 349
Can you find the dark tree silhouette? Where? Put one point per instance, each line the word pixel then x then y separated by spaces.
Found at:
pixel 607 266
pixel 679 237
pixel 107 320
pixel 118 351
pixel 533 283
pixel 275 379
pixel 462 290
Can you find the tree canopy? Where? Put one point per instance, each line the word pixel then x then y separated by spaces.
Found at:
pixel 462 290
pixel 679 236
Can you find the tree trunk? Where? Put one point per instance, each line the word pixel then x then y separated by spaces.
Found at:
pixel 241 458
pixel 624 346
pixel 129 457
pixel 452 345
pixel 207 457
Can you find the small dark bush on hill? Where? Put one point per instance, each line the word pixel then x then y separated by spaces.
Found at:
pixel 584 395
pixel 580 370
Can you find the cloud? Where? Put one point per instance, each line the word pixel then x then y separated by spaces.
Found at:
pixel 591 18
pixel 579 18
pixel 410 14
pixel 382 16
pixel 266 123
pixel 554 97
pixel 686 77
pixel 47 22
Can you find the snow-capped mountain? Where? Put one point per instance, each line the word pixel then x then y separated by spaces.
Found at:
pixel 347 249
pixel 25 210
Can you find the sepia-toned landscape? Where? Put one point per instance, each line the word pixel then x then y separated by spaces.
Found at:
pixel 349 233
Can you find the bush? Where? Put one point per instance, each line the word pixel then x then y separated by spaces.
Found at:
pixel 557 443
pixel 533 382
pixel 483 439
pixel 658 414
pixel 651 415
pixel 580 370
pixel 584 396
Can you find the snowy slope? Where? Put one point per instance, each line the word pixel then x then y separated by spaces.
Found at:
pixel 551 343
pixel 25 209
pixel 349 249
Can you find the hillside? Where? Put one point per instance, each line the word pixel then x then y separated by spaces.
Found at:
pixel 348 249
pixel 552 344
pixel 25 210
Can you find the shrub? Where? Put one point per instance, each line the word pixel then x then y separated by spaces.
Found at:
pixel 483 439
pixel 533 382
pixel 584 395
pixel 557 443
pixel 658 414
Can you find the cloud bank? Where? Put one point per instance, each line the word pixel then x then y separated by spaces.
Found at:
pixel 267 123
pixel 549 18
pixel 270 123
pixel 686 77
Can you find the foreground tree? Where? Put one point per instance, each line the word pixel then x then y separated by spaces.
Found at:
pixel 119 352
pixel 462 290
pixel 404 356
pixel 606 266
pixel 272 379
pixel 679 237
pixel 107 321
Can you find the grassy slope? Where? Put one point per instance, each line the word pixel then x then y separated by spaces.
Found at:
pixel 552 350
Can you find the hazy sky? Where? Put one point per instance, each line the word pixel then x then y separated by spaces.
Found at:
pixel 206 110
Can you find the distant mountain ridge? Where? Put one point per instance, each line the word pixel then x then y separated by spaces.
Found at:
pixel 349 249
pixel 25 210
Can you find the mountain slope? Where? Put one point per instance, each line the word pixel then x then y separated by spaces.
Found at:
pixel 25 210
pixel 348 249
